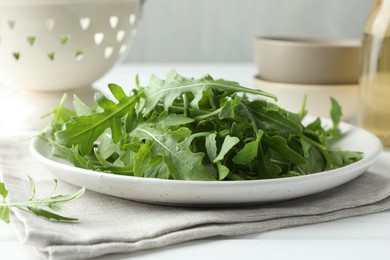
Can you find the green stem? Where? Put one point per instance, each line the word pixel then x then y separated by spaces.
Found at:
pixel 192 111
pixel 185 105
pixel 210 114
pixel 245 90
pixel 218 85
pixel 238 88
pixel 24 203
pixel 307 139
pixel 300 170
pixel 303 111
pixel 45 201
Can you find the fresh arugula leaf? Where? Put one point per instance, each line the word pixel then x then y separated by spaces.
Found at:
pixel 3 190
pixel 37 206
pixel 84 130
pixel 335 115
pixel 341 158
pixel 223 171
pixel 4 208
pixel 267 168
pixel 228 110
pixel 211 146
pixel 32 188
pixel 4 213
pixel 279 145
pixel 173 120
pixel 142 159
pixel 81 109
pixel 49 215
pixel 181 163
pixel 303 111
pixel 270 119
pixel 107 147
pixel 156 168
pixel 249 151
pixel 228 143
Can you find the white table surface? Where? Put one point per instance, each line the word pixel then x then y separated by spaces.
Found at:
pixel 364 237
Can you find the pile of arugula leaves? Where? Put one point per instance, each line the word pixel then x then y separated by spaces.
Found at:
pixel 194 129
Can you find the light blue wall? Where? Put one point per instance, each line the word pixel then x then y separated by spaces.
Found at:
pixel 222 30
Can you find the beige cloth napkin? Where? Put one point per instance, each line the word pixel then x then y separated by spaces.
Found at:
pixel 111 225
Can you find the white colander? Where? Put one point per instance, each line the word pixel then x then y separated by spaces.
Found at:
pixel 52 45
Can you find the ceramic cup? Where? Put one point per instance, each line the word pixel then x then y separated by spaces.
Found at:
pixel 307 60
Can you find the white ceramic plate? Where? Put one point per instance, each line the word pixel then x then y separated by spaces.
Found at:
pixel 204 193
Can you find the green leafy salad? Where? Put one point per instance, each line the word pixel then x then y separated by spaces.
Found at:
pixel 194 129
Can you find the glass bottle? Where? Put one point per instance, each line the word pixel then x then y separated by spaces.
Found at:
pixel 374 106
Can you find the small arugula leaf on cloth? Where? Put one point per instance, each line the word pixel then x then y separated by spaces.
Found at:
pixel 56 203
pixel 196 129
pixel 48 214
pixel 41 207
pixel 4 213
pixel 4 208
pixel 3 191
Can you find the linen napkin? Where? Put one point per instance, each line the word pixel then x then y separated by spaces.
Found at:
pixel 110 225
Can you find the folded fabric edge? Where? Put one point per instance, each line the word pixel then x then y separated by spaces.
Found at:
pixel 204 231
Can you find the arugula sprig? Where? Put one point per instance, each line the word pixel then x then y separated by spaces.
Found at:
pixel 44 207
pixel 195 129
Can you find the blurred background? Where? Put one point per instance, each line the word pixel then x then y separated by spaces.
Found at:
pixel 222 30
